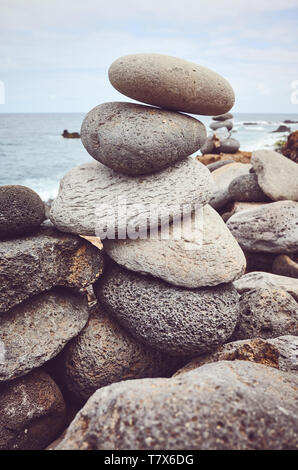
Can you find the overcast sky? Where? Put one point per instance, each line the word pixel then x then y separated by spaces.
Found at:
pixel 55 54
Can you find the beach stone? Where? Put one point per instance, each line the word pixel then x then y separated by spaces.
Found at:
pixel 266 313
pixel 269 228
pixel 281 353
pixel 21 210
pixel 255 280
pixel 38 329
pixel 217 125
pixel 229 146
pixel 206 254
pixel 104 353
pixel 222 178
pixel 48 258
pixel 286 266
pixel 92 197
pixel 134 139
pixel 246 188
pixel 172 319
pixel 32 412
pixel 171 83
pixel 226 405
pixel 277 175
pixel 223 117
pixel 214 166
pixel 208 146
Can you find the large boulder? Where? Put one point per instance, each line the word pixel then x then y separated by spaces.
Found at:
pixel 222 177
pixel 134 139
pixel 21 210
pixel 172 319
pixel 171 83
pixel 222 406
pixel 256 280
pixel 32 412
pixel 266 313
pixel 206 254
pixel 93 198
pixel 269 228
pixel 46 259
pixel 277 175
pixel 38 329
pixel 281 353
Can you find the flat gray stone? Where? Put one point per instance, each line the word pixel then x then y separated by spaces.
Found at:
pixel 223 117
pixel 255 280
pixel 92 196
pixel 245 188
pixel 171 83
pixel 221 406
pixel 32 412
pixel 206 254
pixel 269 228
pixel 277 175
pixel 172 319
pixel 214 166
pixel 229 146
pixel 104 353
pixel 38 329
pixel 218 125
pixel 134 139
pixel 222 177
pixel 266 313
pixel 46 259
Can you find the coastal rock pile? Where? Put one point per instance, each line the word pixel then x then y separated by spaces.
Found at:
pixel 221 141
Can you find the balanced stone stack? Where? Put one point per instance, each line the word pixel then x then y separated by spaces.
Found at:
pixel 43 276
pixel 221 141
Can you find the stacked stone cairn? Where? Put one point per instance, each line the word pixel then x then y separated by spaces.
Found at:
pixel 221 141
pixel 148 363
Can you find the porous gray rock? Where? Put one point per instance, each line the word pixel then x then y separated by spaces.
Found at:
pixel 286 266
pixel 172 319
pixel 171 83
pixel 218 125
pixel 222 177
pixel 221 406
pixel 277 175
pixel 255 280
pixel 21 210
pixel 281 353
pixel 104 353
pixel 223 117
pixel 135 139
pixel 266 313
pixel 206 254
pixel 38 329
pixel 245 188
pixel 93 198
pixel 269 228
pixel 48 258
pixel 32 412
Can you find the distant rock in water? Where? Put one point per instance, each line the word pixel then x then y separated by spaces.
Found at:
pixel 282 129
pixel 288 121
pixel 70 135
pixel 250 123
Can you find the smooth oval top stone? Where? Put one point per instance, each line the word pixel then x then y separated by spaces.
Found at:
pixel 135 139
pixel 277 175
pixel 223 117
pixel 171 83
pixel 92 197
pixel 206 253
pixel 221 406
pixel 21 210
pixel 218 125
pixel 270 227
pixel 172 319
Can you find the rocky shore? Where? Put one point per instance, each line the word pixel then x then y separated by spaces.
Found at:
pixel 156 307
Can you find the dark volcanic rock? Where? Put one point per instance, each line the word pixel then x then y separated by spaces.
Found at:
pixel 282 129
pixel 32 412
pixel 226 405
pixel 134 139
pixel 38 329
pixel 172 319
pixel 21 210
pixel 46 259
